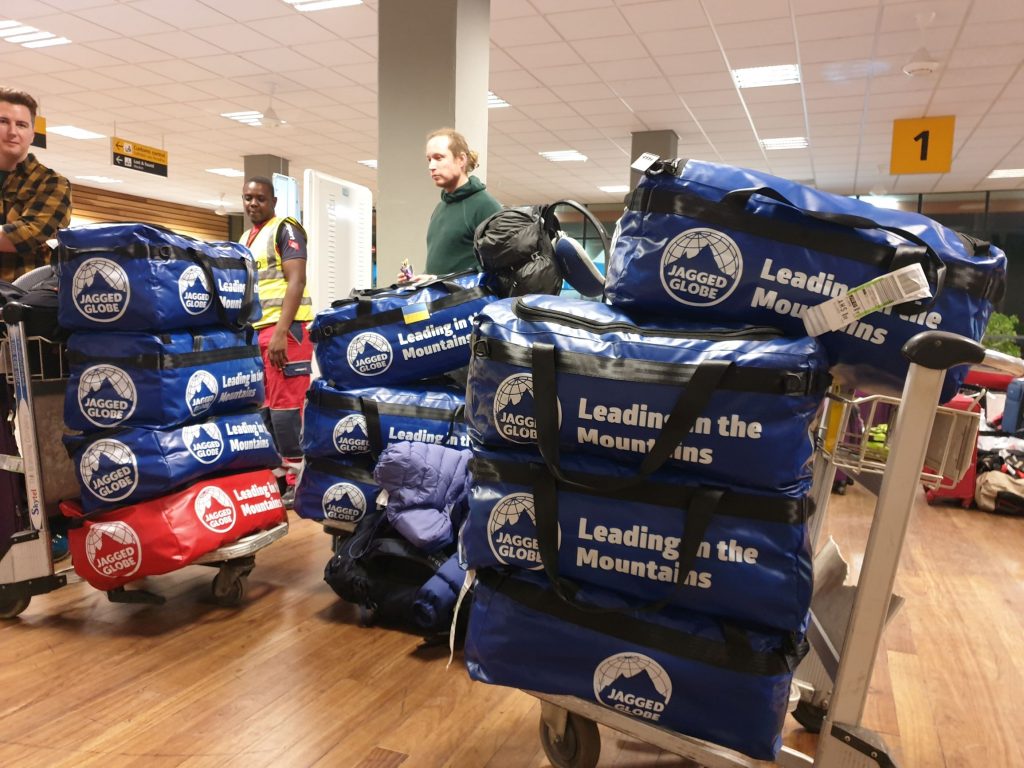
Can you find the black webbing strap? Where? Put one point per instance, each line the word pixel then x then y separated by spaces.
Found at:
pixel 732 652
pixel 371 413
pixel 160 361
pixel 367 321
pixel 693 399
pixel 340 401
pixel 699 512
pixel 772 381
pixel 360 470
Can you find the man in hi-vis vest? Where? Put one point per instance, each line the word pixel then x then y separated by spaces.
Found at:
pixel 279 247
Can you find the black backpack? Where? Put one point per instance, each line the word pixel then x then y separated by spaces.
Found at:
pixel 517 249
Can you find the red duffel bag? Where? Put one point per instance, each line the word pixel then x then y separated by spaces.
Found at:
pixel 164 534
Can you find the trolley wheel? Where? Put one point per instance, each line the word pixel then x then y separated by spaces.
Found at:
pixel 14 606
pixel 579 747
pixel 810 716
pixel 228 588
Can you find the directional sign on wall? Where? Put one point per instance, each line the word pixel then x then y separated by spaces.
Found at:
pixel 138 157
pixel 922 145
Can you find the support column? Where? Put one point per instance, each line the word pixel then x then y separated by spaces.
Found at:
pixel 664 144
pixel 260 165
pixel 433 64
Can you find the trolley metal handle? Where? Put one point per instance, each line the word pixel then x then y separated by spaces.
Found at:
pixel 940 350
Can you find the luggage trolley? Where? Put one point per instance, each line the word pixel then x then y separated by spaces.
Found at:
pixel 37 370
pixel 917 435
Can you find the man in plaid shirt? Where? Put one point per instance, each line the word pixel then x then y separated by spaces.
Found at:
pixel 36 201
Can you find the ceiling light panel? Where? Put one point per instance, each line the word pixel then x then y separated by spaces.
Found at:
pixel 17 33
pixel 74 132
pixel 615 188
pixel 564 156
pixel 246 117
pixel 306 6
pixel 99 179
pixel 495 102
pixel 762 77
pixel 231 173
pixel 789 142
pixel 368 163
pixel 1007 173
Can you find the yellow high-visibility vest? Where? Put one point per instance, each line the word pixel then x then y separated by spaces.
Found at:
pixel 272 285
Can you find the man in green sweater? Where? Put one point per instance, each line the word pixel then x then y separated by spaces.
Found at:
pixel 465 202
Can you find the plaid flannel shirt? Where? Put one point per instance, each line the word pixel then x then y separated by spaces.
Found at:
pixel 36 203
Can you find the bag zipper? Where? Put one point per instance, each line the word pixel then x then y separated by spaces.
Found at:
pixel 754 333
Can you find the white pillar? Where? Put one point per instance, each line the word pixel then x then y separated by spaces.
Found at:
pixel 433 64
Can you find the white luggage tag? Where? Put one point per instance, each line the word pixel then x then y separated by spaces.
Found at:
pixel 905 284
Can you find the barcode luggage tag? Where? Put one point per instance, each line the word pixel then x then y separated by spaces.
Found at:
pixel 905 284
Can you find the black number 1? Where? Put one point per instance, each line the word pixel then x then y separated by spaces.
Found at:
pixel 923 138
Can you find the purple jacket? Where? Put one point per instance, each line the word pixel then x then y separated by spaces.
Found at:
pixel 427 487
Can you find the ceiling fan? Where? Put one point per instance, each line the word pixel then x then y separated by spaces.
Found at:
pixel 270 117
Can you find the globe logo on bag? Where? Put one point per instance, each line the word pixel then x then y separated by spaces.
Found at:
pixel 100 290
pixel 194 290
pixel 214 509
pixel 203 441
pixel 514 409
pixel 701 267
pixel 369 354
pixel 344 502
pixel 109 470
pixel 201 392
pixel 351 434
pixel 106 395
pixel 634 684
pixel 113 549
pixel 512 532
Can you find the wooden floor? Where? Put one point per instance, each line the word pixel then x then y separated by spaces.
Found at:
pixel 290 679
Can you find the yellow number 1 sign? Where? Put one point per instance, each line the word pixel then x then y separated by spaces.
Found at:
pixel 922 145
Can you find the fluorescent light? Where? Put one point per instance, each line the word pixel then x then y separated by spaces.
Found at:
pixel 564 156
pixel 368 163
pixel 495 102
pixel 19 30
pixel 214 203
pixel 47 43
pixel 8 23
pixel 99 179
pixel 73 132
pixel 615 189
pixel 30 37
pixel 229 172
pixel 790 142
pixel 1007 173
pixel 760 77
pixel 321 5
pixel 246 117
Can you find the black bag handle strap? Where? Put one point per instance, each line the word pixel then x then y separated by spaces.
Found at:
pixel 692 401
pixel 930 261
pixel 365 533
pixel 701 509
pixel 371 413
pixel 248 294
pixel 590 217
pixel 457 417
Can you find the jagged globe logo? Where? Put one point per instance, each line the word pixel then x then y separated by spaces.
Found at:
pixel 701 267
pixel 351 434
pixel 369 354
pixel 106 395
pixel 344 502
pixel 201 392
pixel 214 509
pixel 100 290
pixel 514 409
pixel 109 470
pixel 203 441
pixel 113 549
pixel 194 290
pixel 633 683
pixel 512 531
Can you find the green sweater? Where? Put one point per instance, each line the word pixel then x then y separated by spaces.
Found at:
pixel 452 224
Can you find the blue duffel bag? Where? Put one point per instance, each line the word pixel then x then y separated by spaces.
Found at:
pixel 336 489
pixel 733 553
pixel 141 277
pixel 344 422
pixel 727 404
pixel 398 335
pixel 715 243
pixel 160 380
pixel 119 467
pixel 675 669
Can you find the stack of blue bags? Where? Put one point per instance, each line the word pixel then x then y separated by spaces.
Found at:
pixel 166 379
pixel 382 356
